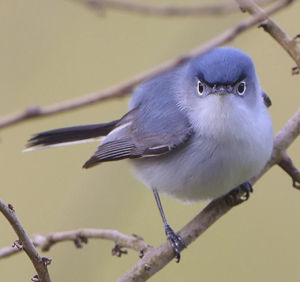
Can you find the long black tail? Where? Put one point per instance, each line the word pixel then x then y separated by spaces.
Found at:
pixel 70 134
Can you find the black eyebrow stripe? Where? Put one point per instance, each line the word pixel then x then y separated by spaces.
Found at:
pixel 241 78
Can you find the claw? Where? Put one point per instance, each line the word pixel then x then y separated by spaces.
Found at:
pixel 176 241
pixel 247 188
pixel 232 197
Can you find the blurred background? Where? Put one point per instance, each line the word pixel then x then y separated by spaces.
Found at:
pixel 55 50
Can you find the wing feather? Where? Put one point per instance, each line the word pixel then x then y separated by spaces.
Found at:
pixel 140 134
pixel 113 151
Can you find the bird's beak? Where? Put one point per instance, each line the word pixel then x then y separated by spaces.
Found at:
pixel 221 90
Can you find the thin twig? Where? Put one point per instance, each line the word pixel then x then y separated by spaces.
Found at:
pixel 8 251
pixel 166 10
pixel 289 44
pixel 126 87
pixel 288 166
pixel 283 139
pixel 80 237
pixel 24 242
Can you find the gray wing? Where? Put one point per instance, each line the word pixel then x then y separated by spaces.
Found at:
pixel 154 126
pixel 129 141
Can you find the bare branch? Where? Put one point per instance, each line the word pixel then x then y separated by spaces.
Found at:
pixel 283 139
pixel 290 45
pixel 169 11
pixel 39 263
pixel 126 87
pixel 8 251
pixel 80 237
pixel 287 165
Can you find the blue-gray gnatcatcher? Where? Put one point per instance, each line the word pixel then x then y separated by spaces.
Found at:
pixel 195 132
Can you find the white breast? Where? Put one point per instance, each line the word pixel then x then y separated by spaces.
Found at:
pixel 228 148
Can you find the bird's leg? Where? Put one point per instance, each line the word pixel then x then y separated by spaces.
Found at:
pixel 175 239
pixel 233 197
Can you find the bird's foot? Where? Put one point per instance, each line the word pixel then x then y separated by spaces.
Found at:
pixel 176 241
pixel 235 198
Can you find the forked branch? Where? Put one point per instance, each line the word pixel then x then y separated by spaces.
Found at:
pixel 25 243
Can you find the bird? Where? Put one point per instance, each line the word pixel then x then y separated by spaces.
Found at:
pixel 194 132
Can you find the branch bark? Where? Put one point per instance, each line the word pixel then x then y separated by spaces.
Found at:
pixel 39 263
pixel 126 87
pixel 288 166
pixel 283 139
pixel 290 45
pixel 80 237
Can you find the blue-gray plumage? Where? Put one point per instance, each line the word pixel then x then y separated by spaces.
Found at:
pixel 230 133
pixel 195 132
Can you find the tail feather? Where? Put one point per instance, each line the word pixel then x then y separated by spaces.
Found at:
pixel 70 134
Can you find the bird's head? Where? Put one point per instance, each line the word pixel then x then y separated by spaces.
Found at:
pixel 223 75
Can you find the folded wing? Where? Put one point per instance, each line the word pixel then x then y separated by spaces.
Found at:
pixel 129 140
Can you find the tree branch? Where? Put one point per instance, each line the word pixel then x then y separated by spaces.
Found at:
pixel 80 237
pixel 126 87
pixel 169 11
pixel 287 165
pixel 8 251
pixel 283 139
pixel 290 45
pixel 24 242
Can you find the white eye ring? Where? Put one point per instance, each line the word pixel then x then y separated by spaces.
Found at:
pixel 241 88
pixel 200 88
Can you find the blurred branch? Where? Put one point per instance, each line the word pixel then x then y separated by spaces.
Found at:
pixel 283 139
pixel 24 242
pixel 126 87
pixel 80 237
pixel 8 251
pixel 169 11
pixel 156 258
pixel 290 45
pixel 287 165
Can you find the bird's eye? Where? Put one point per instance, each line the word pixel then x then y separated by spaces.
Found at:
pixel 241 88
pixel 200 88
